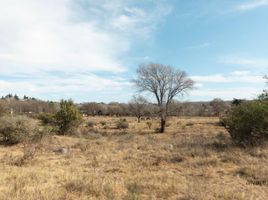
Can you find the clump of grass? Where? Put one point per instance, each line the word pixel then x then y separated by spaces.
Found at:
pixel 254 175
pixel 103 123
pixel 20 160
pixel 90 124
pixel 82 186
pixel 122 124
pixel 133 191
pixel 149 125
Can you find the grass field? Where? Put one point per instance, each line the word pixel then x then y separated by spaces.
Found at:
pixel 193 160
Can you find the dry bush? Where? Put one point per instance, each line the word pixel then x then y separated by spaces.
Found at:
pixel 103 123
pixel 149 125
pixel 29 152
pixel 82 186
pixel 254 174
pixel 133 192
pixel 18 129
pixel 90 124
pixel 122 124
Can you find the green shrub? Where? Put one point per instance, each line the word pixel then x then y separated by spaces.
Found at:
pixel 68 117
pixel 18 129
pixel 122 124
pixel 247 123
pixel 47 118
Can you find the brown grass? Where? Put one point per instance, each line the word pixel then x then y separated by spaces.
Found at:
pixel 194 159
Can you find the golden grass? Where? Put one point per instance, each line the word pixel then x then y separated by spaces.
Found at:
pixel 194 159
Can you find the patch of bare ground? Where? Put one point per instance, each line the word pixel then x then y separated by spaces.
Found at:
pixel 194 159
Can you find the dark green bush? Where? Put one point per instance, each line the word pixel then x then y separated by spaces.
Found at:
pixel 18 129
pixel 68 117
pixel 247 123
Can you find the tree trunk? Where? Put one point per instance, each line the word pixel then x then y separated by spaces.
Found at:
pixel 139 119
pixel 162 124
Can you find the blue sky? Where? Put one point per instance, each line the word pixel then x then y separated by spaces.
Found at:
pixel 89 50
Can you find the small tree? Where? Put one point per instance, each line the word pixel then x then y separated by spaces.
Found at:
pixel 137 106
pixel 165 83
pixel 68 116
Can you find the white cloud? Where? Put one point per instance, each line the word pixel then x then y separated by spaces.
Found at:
pixel 237 84
pixel 57 87
pixel 259 63
pixel 253 4
pixel 70 36
pixel 234 77
pixel 226 94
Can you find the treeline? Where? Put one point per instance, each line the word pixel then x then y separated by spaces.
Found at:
pixel 27 105
pixel 213 108
pixel 31 105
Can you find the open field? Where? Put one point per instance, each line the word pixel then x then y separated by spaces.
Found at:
pixel 194 159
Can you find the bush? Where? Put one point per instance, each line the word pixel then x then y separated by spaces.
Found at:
pixel 68 117
pixel 47 118
pixel 247 123
pixel 3 109
pixel 18 129
pixel 90 124
pixel 122 124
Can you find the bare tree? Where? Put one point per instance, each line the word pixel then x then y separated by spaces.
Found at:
pixel 218 106
pixel 137 106
pixel 165 83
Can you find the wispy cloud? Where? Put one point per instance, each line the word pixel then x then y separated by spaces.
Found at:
pixel 260 63
pixel 233 77
pixel 253 4
pixel 226 94
pixel 200 46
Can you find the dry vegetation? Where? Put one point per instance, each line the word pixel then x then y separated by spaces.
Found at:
pixel 194 159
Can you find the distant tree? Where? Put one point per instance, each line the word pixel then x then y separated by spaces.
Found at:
pixel 165 83
pixel 137 106
pixel 218 106
pixel 237 102
pixel 9 96
pixel 16 97
pixel 68 116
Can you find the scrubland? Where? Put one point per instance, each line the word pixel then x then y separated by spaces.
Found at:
pixel 194 160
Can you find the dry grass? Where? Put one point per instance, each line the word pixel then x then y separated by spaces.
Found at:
pixel 193 160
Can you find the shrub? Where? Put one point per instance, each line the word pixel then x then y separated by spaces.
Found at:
pixel 149 124
pixel 103 123
pixel 68 116
pixel 90 124
pixel 47 118
pixel 247 123
pixel 122 124
pixel 18 129
pixel 3 109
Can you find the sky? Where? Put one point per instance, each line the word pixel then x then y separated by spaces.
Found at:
pixel 89 50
